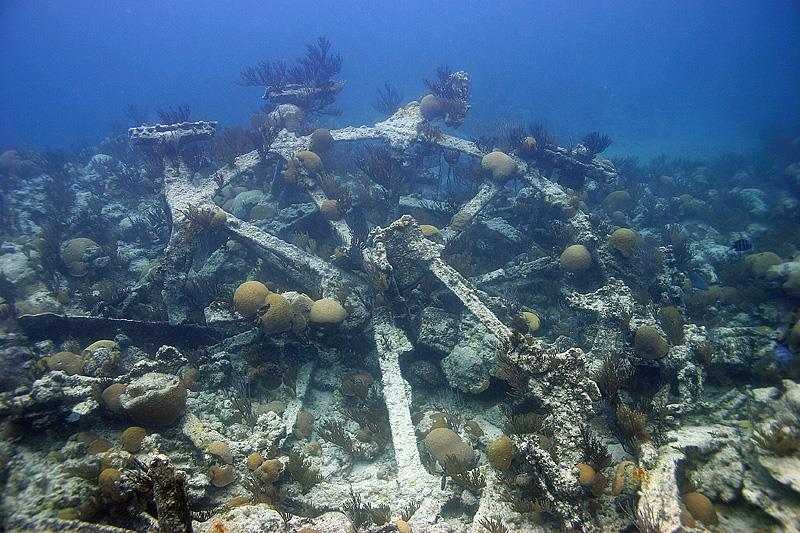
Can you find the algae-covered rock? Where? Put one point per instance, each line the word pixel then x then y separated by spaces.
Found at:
pixel 154 399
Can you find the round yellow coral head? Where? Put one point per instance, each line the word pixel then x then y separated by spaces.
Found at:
pixel 501 165
pixel 576 258
pixel 249 297
pixel 624 241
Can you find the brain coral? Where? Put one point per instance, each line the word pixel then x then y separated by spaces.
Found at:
pixel 617 201
pixel 154 399
pixel 131 438
pixel 327 311
pixel 111 397
pixel 321 141
pixel 760 263
pixel 108 344
pixel 586 474
pixel 330 209
pixel 221 476
pixel 533 321
pixel 499 164
pixel 576 258
pixel 68 362
pixel 249 297
pixel 109 483
pixel 442 442
pixel 279 315
pixel 78 253
pixel 500 452
pixel 428 230
pixel 649 344
pixel 221 450
pixel 311 161
pixel 430 107
pixel 700 507
pixel 624 241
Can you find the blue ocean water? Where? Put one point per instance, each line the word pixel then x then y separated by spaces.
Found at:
pixel 678 77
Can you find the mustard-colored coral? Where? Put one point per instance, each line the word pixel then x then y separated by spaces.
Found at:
pixel 108 344
pixel 109 483
pixel 279 315
pixel 624 241
pixel 310 161
pixel 533 321
pixel 617 201
pixel 431 107
pixel 67 362
pixel 428 230
pixel 321 141
pixel 649 344
pixel 500 452
pixel 221 450
pixel 575 258
pixel 700 508
pixel 221 476
pixel 327 311
pixel 501 165
pixel 254 460
pixel 249 297
pixel 760 263
pixel 330 209
pixel 586 474
pixel 74 253
pixel 625 479
pixel 131 439
pixel 270 470
pixel 443 442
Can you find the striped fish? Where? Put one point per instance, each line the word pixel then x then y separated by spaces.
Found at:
pixel 742 245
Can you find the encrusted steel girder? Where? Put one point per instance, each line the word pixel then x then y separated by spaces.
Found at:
pixel 410 255
pixel 171 133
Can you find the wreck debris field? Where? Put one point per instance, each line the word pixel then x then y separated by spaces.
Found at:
pixel 466 314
